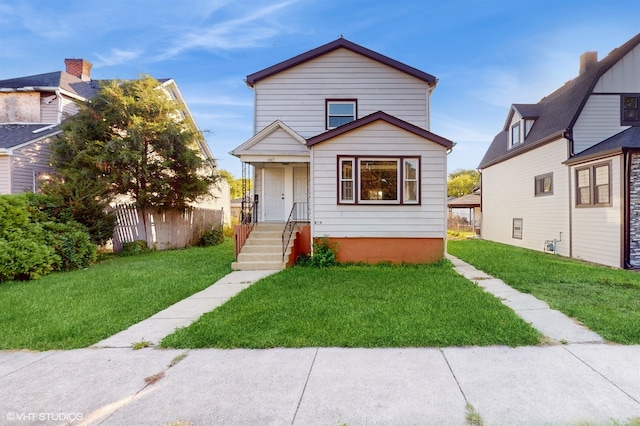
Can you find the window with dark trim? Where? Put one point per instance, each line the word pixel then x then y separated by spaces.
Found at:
pixel 516 228
pixel 378 180
pixel 630 110
pixel 544 184
pixel 340 111
pixel 515 134
pixel 593 185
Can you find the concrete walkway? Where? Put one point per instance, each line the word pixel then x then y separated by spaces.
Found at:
pixel 111 384
pixel 183 313
pixel 550 322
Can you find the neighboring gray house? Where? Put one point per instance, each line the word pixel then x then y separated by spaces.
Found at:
pixel 33 107
pixel 563 175
pixel 342 142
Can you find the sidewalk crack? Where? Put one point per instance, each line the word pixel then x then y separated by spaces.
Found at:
pixel 306 382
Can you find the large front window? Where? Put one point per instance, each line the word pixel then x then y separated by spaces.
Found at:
pixel 373 180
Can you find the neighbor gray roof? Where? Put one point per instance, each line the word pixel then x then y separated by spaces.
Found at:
pixel 557 112
pixel 330 47
pixel 59 79
pixel 627 139
pixel 12 135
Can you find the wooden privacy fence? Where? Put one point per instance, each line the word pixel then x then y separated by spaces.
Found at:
pixel 163 230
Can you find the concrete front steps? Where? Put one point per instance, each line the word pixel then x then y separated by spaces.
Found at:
pixel 263 249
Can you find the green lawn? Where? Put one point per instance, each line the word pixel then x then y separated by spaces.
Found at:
pixel 606 300
pixel 358 306
pixel 77 309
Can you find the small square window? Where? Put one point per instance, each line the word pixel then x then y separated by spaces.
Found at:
pixel 340 112
pixel 544 184
pixel 516 230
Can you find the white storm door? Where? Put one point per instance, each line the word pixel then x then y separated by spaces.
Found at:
pixel 274 195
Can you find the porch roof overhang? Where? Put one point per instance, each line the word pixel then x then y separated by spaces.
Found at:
pixel 255 146
pixel 272 158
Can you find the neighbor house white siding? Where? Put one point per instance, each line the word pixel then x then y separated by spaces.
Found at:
pixel 597 231
pixel 508 192
pixel 599 120
pixel 69 107
pixel 5 174
pixel 623 76
pixel 427 220
pixel 49 108
pixel 27 163
pixel 297 96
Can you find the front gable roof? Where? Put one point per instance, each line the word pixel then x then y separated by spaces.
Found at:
pixel 558 112
pixel 380 115
pixel 296 145
pixel 252 79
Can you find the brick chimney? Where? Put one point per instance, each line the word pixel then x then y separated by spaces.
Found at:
pixel 79 67
pixel 587 59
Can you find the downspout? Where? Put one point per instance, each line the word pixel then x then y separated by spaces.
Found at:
pixel 567 135
pixel 430 90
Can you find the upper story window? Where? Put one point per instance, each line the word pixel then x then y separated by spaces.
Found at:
pixel 515 134
pixel 630 114
pixel 340 111
pixel 388 180
pixel 593 185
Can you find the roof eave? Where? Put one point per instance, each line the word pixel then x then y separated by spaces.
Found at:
pixel 525 148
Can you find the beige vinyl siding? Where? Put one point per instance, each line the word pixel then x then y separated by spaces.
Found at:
pixel 69 107
pixel 49 111
pixel 28 162
pixel 508 192
pixel 297 96
pixel 427 220
pixel 623 76
pixel 597 231
pixel 5 174
pixel 599 120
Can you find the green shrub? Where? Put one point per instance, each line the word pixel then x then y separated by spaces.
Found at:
pixel 36 240
pixel 324 255
pixel 71 244
pixel 212 237
pixel 134 247
pixel 25 259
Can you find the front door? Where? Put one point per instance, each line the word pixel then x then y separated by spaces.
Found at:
pixel 274 195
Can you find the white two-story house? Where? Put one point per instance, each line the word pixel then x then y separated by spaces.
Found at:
pixel 342 145
pixel 563 175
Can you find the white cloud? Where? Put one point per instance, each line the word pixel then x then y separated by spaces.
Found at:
pixel 116 57
pixel 245 31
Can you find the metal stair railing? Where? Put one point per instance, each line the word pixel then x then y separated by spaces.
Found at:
pixel 299 213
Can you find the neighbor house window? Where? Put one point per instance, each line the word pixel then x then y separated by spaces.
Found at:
pixel 340 112
pixel 516 228
pixel 593 185
pixel 515 134
pixel 544 184
pixel 374 180
pixel 630 114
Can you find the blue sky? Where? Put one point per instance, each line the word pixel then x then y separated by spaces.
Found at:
pixel 485 54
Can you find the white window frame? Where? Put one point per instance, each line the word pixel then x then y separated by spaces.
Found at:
pixel 342 199
pixel 330 102
pixel 515 130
